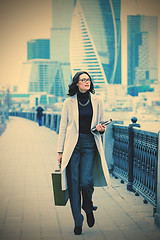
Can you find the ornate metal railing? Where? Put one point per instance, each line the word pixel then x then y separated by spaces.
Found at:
pixel 50 120
pixel 145 164
pixel 135 155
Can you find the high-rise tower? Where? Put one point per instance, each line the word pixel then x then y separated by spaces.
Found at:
pixel 38 49
pixel 62 11
pixel 142 52
pixel 39 73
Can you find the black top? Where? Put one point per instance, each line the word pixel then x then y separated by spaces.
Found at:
pixel 39 111
pixel 85 112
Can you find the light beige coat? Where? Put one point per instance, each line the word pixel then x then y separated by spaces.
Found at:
pixel 68 137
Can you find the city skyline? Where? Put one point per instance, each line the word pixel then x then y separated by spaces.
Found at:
pixel 12 56
pixel 79 40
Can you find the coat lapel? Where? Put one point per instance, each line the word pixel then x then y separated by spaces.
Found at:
pixel 75 111
pixel 93 100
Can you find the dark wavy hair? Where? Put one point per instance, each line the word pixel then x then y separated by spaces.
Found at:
pixel 73 88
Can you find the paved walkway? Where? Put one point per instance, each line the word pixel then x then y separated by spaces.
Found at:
pixel 27 212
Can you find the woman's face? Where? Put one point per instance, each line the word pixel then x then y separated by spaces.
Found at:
pixel 84 83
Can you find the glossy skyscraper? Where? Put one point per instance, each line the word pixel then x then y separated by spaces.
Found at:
pixel 39 73
pixel 38 49
pixel 103 21
pixel 86 35
pixel 62 11
pixel 142 52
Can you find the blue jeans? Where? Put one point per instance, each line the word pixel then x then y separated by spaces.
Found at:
pixel 79 176
pixel 39 120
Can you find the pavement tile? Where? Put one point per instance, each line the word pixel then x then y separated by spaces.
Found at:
pixel 94 234
pixel 114 235
pixel 51 235
pixel 10 235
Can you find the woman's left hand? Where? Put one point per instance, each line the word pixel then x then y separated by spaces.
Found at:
pixel 100 128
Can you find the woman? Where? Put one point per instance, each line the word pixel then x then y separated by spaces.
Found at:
pixel 80 152
pixel 39 115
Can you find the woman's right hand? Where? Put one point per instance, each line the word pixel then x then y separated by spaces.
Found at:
pixel 60 158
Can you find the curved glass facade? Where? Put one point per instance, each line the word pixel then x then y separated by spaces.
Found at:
pixel 103 20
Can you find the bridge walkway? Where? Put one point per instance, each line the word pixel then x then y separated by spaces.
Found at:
pixel 27 212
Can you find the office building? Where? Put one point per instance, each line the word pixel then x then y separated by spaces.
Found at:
pixel 38 49
pixel 60 37
pixel 41 76
pixel 39 73
pixel 142 53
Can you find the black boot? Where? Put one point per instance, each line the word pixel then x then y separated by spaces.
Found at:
pixel 90 219
pixel 78 230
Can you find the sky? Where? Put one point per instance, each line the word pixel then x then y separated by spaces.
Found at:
pixel 22 20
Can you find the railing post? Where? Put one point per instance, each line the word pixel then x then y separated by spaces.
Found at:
pixel 131 153
pixel 157 214
pixel 52 121
pixel 58 123
pixel 47 115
